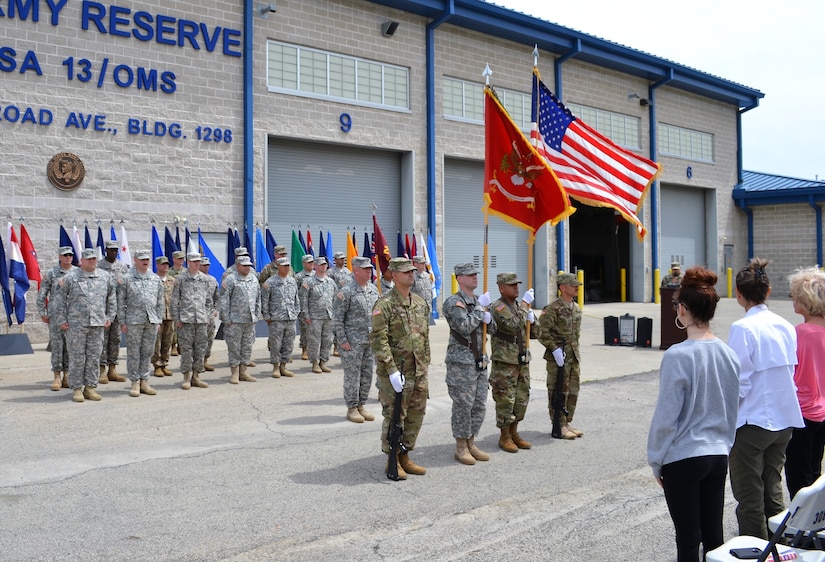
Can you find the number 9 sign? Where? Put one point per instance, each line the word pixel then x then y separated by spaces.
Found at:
pixel 346 122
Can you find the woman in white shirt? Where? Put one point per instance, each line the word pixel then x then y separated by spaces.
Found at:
pixel 768 406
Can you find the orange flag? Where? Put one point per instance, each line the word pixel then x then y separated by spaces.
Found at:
pixel 519 185
pixel 352 251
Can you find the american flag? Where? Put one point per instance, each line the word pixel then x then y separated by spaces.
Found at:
pixel 591 168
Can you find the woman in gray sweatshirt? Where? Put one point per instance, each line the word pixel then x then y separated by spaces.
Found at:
pixel 694 424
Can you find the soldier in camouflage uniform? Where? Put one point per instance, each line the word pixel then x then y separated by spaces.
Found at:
pixel 466 365
pixel 111 335
pixel 163 343
pixel 193 305
pixel 178 257
pixel 400 338
pixel 211 327
pixel 316 295
pixel 239 252
pixel 674 278
pixel 423 286
pixel 57 337
pixel 352 324
pixel 510 369
pixel 140 308
pixel 85 304
pixel 342 277
pixel 271 268
pixel 280 307
pixel 240 307
pixel 308 262
pixel 561 323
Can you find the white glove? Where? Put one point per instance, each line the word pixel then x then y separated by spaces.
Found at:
pixel 484 300
pixel 487 317
pixel 529 296
pixel 530 316
pixel 558 355
pixel 397 381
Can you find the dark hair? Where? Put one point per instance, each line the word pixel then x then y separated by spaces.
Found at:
pixel 698 293
pixel 752 281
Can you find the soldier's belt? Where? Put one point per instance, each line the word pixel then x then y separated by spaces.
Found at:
pixel 506 337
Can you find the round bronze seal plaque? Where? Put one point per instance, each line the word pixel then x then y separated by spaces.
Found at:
pixel 66 171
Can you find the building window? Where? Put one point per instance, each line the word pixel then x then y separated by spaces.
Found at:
pixel 464 101
pixel 313 73
pixel 685 143
pixel 624 130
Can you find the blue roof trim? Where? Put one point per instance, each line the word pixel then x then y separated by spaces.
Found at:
pixel 496 21
pixel 770 189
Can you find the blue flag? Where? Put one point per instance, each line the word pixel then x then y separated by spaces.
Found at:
pixel 216 270
pixel 323 245
pixel 262 257
pixel 87 243
pixel 157 250
pixel 66 240
pixel 301 240
pixel 247 242
pixel 270 243
pixel 17 271
pixel 168 244
pixel 4 281
pixel 177 238
pixel 113 238
pixel 101 244
pixel 431 253
pixel 329 243
pixel 400 251
pixel 230 247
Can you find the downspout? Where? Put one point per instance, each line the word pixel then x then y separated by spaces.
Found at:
pixel 739 140
pixel 560 263
pixel 430 34
pixel 818 211
pixel 654 191
pixel 248 125
pixel 749 214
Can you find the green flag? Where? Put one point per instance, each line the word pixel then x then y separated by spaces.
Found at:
pixel 297 253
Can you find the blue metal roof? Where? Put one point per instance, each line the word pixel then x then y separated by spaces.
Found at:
pixel 771 189
pixel 496 21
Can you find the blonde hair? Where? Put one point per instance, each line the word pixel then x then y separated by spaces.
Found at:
pixel 808 288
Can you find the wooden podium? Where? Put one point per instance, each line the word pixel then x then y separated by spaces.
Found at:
pixel 670 334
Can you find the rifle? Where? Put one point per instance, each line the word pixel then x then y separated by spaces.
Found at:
pixel 557 401
pixel 395 434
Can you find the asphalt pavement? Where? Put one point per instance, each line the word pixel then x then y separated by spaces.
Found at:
pixel 272 470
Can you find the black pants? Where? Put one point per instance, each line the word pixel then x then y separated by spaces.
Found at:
pixel 803 457
pixel 695 494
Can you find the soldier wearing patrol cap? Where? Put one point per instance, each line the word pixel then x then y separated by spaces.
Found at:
pixel 193 305
pixel 111 335
pixel 561 323
pixel 423 286
pixel 240 308
pixel 466 315
pixel 85 304
pixel 510 368
pixel 674 278
pixel 240 251
pixel 280 307
pixel 211 327
pixel 342 277
pixel 400 339
pixel 45 298
pixel 178 259
pixel 352 323
pixel 271 268
pixel 308 262
pixel 163 343
pixel 316 294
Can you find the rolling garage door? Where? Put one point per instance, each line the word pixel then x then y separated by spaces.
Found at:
pixel 683 228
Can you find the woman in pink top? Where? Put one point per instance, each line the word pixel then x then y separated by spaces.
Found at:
pixel 804 453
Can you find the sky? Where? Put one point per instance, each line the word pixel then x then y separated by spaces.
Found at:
pixel 775 48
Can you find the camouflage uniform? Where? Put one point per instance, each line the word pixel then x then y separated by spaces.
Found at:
pixel 45 299
pixel 316 295
pixel 240 308
pixel 193 305
pixel 268 271
pixel 299 280
pixel 140 307
pixel 672 281
pixel 510 380
pixel 111 335
pixel 280 307
pixel 211 326
pixel 423 287
pixel 401 332
pixel 352 324
pixel 466 384
pixel 561 324
pixel 86 302
pixel 342 277
pixel 163 343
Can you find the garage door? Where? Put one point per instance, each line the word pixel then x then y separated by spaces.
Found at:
pixel 683 229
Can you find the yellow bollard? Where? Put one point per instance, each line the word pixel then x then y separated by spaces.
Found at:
pixel 453 284
pixel 729 275
pixel 657 282
pixel 580 297
pixel 623 284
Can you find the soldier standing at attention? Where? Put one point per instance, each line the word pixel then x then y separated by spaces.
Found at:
pixel 309 266
pixel 45 298
pixel 271 268
pixel 192 307
pixel 211 328
pixel 163 343
pixel 140 308
pixel 674 278
pixel 342 277
pixel 466 366
pixel 85 304
pixel 178 257
pixel 401 334
pixel 352 324
pixel 111 335
pixel 423 286
pixel 510 370
pixel 316 294
pixel 561 323
pixel 280 307
pixel 240 309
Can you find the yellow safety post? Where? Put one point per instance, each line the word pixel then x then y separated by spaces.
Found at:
pixel 657 281
pixel 623 284
pixel 729 275
pixel 453 284
pixel 580 297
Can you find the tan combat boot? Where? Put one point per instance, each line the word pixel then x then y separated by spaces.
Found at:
pixel 58 381
pixel 284 371
pixel 77 395
pixel 159 371
pixel 335 351
pixel 197 382
pixel 365 414
pixel 206 365
pixel 354 416
pixel 304 354
pixel 146 389
pixel 91 394
pixel 233 379
pixel 103 378
pixel 242 376
pixel 276 371
pixel 134 392
pixel 506 441
pixel 187 381
pixel 113 376
pixel 323 366
pixel 65 379
pixel 477 453
pixel 566 433
pixel 401 474
pixel 174 352
pixel 462 455
pixel 166 371
pixel 517 440
pixel 316 368
pixel 251 364
pixel 409 466
pixel 577 432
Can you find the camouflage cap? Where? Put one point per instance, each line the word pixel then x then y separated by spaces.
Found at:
pixel 241 251
pixel 321 261
pixel 244 260
pixel 205 261
pixel 568 279
pixel 65 251
pixel 143 255
pixel 194 256
pixel 279 249
pixel 89 253
pixel 465 269
pixel 282 261
pixel 507 279
pixel 401 265
pixel 675 265
pixel 161 259
pixel 363 263
pixel 338 255
pixel 419 259
pixel 112 245
pixel 179 254
pixel 308 258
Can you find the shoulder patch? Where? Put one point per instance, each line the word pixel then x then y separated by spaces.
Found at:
pixel 460 304
pixel 500 307
pixel 340 295
pixel 376 311
pixel 305 285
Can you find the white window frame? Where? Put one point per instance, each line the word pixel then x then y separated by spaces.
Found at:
pixel 688 144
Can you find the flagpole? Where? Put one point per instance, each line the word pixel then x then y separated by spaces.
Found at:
pixel 487 73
